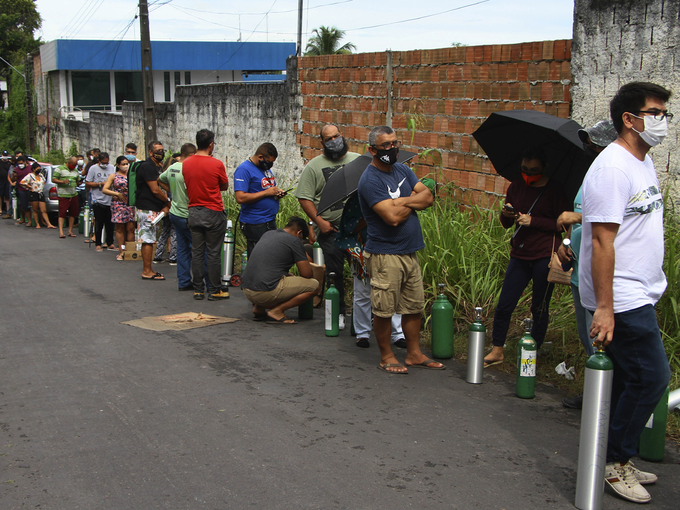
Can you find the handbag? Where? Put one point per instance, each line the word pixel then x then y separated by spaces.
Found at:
pixel 555 273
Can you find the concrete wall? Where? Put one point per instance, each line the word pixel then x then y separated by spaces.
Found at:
pixel 619 42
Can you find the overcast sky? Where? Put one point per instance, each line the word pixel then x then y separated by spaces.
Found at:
pixel 369 24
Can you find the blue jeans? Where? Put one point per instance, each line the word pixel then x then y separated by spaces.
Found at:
pixel 183 235
pixel 583 321
pixel 518 275
pixel 641 375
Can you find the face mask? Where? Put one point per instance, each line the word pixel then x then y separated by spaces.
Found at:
pixel 81 162
pixel 530 179
pixel 71 167
pixel 130 157
pixel 158 155
pixel 91 157
pixel 390 156
pixel 264 164
pixel 21 165
pixel 124 167
pixel 335 147
pixel 655 130
pixel 103 165
pixel 36 170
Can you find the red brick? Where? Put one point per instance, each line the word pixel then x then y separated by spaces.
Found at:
pixel 567 54
pixel 470 54
pixel 516 52
pixel 548 50
pixel 566 71
pixel 496 53
pixel 506 52
pixel 527 51
pixel 486 54
pixel 546 91
pixel 567 94
pixel 522 71
pixel 536 51
pixel 559 50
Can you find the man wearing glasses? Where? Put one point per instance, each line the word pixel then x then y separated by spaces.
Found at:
pixel 622 252
pixel 389 195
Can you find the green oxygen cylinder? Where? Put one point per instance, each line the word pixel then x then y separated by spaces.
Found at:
pixel 442 326
pixel 592 450
pixel 526 363
pixel 81 221
pixel 332 313
pixel 653 438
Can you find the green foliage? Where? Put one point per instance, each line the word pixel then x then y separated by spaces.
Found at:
pixel 326 41
pixel 55 157
pixel 73 150
pixel 13 120
pixel 18 20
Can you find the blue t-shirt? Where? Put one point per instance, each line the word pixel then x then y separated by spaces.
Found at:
pixel 376 186
pixel 576 238
pixel 250 179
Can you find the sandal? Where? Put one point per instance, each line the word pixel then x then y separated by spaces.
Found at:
pixel 157 276
pixel 120 257
pixel 392 365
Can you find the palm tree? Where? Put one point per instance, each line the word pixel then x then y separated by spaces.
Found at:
pixel 326 40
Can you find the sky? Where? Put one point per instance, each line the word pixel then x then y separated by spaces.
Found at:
pixel 370 25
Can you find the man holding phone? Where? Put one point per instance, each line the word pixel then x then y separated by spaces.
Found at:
pixel 256 190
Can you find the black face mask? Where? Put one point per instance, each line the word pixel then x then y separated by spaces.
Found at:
pixel 389 157
pixel 158 155
pixel 264 165
pixel 336 148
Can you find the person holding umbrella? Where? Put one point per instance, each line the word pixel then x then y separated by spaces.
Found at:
pixel 533 204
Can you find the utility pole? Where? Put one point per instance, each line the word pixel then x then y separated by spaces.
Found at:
pixel 299 40
pixel 30 132
pixel 147 75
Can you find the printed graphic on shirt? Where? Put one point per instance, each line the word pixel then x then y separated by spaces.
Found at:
pixel 397 193
pixel 327 172
pixel 645 202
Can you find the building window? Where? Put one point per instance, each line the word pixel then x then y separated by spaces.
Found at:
pixel 91 90
pixel 187 77
pixel 166 80
pixel 128 87
pixel 177 78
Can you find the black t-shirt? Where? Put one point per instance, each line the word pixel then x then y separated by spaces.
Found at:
pixel 273 256
pixel 146 200
pixel 5 165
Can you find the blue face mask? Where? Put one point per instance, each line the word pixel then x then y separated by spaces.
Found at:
pixel 130 157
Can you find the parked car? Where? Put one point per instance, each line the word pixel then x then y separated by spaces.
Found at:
pixel 50 191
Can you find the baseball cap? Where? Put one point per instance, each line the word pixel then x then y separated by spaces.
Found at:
pixel 603 133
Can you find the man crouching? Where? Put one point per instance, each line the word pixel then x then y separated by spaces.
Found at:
pixel 266 281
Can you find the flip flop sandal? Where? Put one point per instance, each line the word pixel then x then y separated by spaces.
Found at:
pixel 157 276
pixel 119 257
pixel 72 235
pixel 282 320
pixel 392 365
pixel 488 364
pixel 259 318
pixel 62 237
pixel 424 364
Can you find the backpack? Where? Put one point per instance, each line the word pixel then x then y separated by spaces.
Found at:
pixel 132 183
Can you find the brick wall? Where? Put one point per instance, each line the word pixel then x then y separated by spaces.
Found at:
pixel 446 92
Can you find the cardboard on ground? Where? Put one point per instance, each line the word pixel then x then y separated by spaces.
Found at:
pixel 178 322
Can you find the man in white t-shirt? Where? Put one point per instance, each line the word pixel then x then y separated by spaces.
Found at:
pixel 621 279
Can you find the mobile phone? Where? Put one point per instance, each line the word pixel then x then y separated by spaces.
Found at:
pixel 509 208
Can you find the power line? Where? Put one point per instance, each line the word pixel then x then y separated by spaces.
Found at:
pixel 77 15
pixel 260 13
pixel 85 17
pixel 418 18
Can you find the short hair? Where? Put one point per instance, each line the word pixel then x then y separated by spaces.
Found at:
pixel 132 146
pixel 176 154
pixel 153 144
pixel 35 165
pixel 188 149
pixel 536 152
pixel 298 224
pixel 21 158
pixel 632 97
pixel 204 138
pixel 103 155
pixel 377 131
pixel 120 159
pixel 79 156
pixel 267 149
pixel 96 149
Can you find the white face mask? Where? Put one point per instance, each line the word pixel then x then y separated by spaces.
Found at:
pixel 21 165
pixel 81 162
pixel 655 130
pixel 103 165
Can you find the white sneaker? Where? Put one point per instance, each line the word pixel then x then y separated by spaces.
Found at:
pixel 622 479
pixel 642 476
pixel 341 322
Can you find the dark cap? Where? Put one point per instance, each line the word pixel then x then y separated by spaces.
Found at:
pixel 603 133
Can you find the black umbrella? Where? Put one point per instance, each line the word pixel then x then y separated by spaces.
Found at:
pixel 505 135
pixel 345 180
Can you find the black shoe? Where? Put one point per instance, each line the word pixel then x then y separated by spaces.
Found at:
pixel 188 287
pixel 172 262
pixel 158 261
pixel 220 295
pixel 400 343
pixel 198 296
pixel 573 402
pixel 363 343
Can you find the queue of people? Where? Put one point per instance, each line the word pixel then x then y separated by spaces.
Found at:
pixel 617 221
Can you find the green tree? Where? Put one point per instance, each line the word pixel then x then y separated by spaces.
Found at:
pixel 326 41
pixel 18 20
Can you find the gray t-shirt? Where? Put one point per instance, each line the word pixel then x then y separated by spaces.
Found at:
pixel 273 256
pixel 98 174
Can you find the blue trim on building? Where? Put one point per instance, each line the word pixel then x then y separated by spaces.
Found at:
pixel 76 55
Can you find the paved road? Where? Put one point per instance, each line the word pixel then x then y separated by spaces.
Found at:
pixel 100 415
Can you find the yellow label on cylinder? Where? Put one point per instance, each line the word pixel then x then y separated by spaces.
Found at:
pixel 527 367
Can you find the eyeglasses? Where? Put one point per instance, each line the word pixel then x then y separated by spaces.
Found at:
pixel 388 145
pixel 658 114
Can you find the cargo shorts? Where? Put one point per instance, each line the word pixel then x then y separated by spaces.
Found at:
pixel 396 284
pixel 287 289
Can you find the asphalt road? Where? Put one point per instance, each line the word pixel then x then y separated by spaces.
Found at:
pixel 99 415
